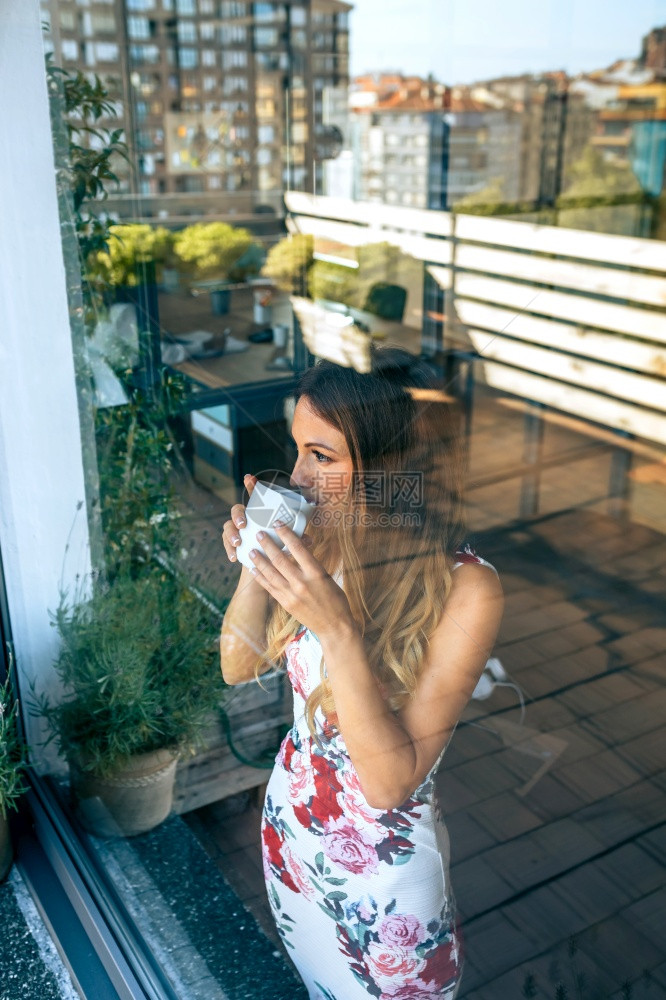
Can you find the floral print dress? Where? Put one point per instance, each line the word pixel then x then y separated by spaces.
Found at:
pixel 360 896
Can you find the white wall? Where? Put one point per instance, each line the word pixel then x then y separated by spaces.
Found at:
pixel 41 472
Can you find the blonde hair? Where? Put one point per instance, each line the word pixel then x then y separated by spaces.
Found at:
pixel 396 555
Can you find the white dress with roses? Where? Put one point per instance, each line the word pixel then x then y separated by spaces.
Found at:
pixel 360 896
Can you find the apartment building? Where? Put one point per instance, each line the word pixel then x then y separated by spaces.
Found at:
pixel 222 101
pixel 422 144
pixel 394 126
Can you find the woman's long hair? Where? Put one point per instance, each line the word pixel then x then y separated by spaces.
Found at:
pixel 400 522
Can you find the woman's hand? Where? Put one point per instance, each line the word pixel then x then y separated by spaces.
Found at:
pixel 300 584
pixel 230 537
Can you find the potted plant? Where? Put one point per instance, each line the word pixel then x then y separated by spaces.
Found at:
pixel 209 251
pixel 138 663
pixel 131 245
pixel 288 263
pixel 12 764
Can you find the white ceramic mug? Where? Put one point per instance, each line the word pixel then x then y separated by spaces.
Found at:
pixel 267 504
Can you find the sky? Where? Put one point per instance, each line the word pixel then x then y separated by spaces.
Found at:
pixel 461 41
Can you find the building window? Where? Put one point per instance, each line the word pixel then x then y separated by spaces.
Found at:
pixel 235 59
pixel 233 8
pixel 187 31
pixel 138 27
pixel 234 84
pixel 299 132
pixel 142 53
pixel 208 57
pixel 185 6
pixel 70 49
pixel 107 52
pixel 268 12
pixel 266 38
pixel 266 133
pixel 207 31
pixel 188 58
pixel 105 24
pixel 233 34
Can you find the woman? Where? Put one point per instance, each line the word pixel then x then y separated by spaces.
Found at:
pixel 385 631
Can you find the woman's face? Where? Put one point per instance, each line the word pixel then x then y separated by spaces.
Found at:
pixel 324 467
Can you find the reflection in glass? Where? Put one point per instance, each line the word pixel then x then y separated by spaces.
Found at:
pixel 270 213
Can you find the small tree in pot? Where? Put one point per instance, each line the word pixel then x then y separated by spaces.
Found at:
pixel 211 251
pixel 138 660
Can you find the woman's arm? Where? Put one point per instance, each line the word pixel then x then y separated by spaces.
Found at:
pixel 243 636
pixel 393 753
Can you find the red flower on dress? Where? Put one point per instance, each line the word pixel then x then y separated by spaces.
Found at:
pixel 272 843
pixel 442 965
pixel 325 805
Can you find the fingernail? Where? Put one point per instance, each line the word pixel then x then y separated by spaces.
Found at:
pixel 236 540
pixel 240 523
pixel 261 534
pixel 278 524
pixel 253 554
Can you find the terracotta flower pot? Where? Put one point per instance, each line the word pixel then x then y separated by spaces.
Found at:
pixel 131 801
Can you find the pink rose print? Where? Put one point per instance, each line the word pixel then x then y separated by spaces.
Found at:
pixel 301 780
pixel 348 848
pixel 391 965
pixel 356 807
pixel 297 872
pixel 402 930
pixel 297 670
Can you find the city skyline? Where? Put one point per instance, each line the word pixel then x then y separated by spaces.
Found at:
pixel 461 44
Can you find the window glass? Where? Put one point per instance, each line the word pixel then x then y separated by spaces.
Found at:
pixel 482 190
pixel 187 31
pixel 266 37
pixel 138 27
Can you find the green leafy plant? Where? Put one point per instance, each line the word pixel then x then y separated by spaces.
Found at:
pixel 12 751
pixel 88 155
pixel 138 661
pixel 129 246
pixel 288 263
pixel 138 653
pixel 138 456
pixel 210 250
